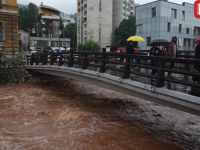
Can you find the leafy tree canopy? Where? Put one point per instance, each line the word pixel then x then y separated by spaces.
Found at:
pixel 71 32
pixel 126 29
pixel 90 46
pixel 28 16
pixel 47 48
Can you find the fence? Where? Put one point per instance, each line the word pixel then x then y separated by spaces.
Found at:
pixel 103 60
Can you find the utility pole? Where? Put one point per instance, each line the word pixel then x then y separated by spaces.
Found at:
pixel 82 32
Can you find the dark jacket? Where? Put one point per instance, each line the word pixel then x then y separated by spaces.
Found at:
pixel 153 50
pixel 170 48
pixel 197 67
pixel 130 49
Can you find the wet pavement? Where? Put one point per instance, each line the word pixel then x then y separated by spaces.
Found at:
pixel 72 115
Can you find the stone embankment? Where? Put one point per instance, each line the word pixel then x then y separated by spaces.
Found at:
pixel 15 73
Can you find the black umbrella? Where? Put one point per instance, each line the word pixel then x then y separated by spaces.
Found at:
pixel 159 42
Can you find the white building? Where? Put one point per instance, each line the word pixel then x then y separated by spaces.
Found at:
pixel 101 18
pixel 66 19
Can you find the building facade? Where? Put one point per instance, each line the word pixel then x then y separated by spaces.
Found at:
pixel 95 20
pixel 48 21
pixel 23 39
pixel 48 30
pixel 163 19
pixel 101 18
pixel 66 19
pixel 9 43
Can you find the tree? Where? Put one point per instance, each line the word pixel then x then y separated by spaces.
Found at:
pixel 90 46
pixel 71 32
pixel 28 16
pixel 126 29
pixel 47 48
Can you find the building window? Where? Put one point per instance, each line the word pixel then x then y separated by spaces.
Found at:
pixel 154 12
pixel 194 42
pixel 183 15
pixel 148 40
pixel 197 31
pixel 139 28
pixel 179 42
pixel 174 13
pixel 169 27
pixel 180 28
pixel 187 31
pixel 1 30
pixel 187 42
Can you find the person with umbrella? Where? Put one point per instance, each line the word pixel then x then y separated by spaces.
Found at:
pixel 154 51
pixel 172 51
pixel 131 48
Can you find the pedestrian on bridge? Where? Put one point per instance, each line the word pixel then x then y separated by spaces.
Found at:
pixel 197 56
pixel 154 51
pixel 130 49
pixel 171 50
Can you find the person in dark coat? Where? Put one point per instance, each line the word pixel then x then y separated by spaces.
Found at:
pixel 130 49
pixel 196 67
pixel 154 51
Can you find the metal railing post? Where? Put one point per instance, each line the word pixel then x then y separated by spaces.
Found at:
pixel 126 72
pixel 60 60
pixel 103 63
pixel 85 62
pixel 160 74
pixel 71 59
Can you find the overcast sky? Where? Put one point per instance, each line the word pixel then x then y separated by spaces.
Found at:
pixel 70 6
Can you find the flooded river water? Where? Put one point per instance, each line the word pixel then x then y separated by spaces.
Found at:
pixel 72 115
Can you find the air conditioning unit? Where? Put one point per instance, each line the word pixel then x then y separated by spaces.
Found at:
pixel 43 29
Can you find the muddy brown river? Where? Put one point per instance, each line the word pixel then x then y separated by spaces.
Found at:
pixel 71 115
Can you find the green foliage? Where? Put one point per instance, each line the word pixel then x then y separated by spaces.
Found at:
pixel 47 48
pixel 74 16
pixel 126 29
pixel 28 16
pixel 90 46
pixel 71 32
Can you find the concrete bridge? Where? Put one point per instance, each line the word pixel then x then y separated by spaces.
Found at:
pixel 62 65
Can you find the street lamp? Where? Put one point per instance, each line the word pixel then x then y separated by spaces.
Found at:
pixel 60 32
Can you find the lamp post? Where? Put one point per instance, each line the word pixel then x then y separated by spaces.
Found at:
pixel 60 32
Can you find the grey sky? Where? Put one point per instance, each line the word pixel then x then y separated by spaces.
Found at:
pixel 70 6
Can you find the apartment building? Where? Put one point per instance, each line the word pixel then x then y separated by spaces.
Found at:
pixel 163 19
pixel 9 43
pixel 48 21
pixel 66 19
pixel 48 29
pixel 101 18
pixel 95 18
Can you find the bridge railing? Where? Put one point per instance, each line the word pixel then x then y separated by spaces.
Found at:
pixel 105 61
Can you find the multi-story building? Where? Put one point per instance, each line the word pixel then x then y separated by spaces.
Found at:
pixel 9 43
pixel 49 21
pixel 48 29
pixel 163 19
pixel 66 19
pixel 122 9
pixel 95 17
pixel 101 18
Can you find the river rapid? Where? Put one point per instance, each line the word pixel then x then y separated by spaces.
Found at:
pixel 72 115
